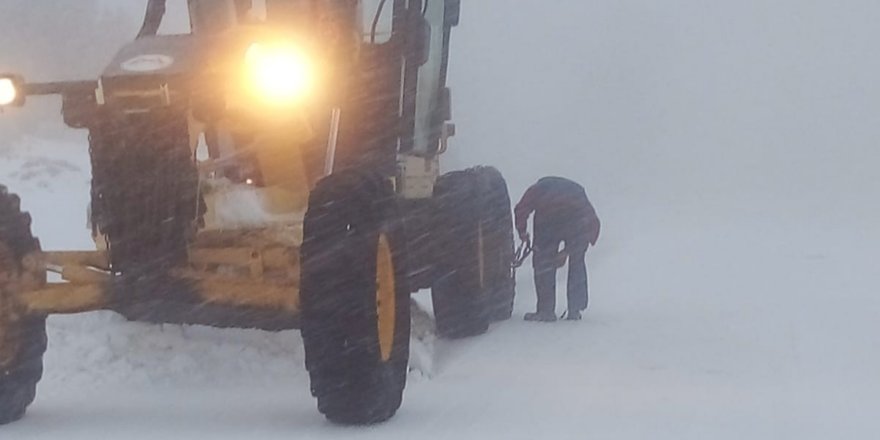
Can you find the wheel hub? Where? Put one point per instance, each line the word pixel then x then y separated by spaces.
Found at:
pixel 385 298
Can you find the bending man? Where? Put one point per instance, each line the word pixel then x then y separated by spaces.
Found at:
pixel 563 214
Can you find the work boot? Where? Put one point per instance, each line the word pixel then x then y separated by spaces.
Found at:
pixel 573 315
pixel 540 317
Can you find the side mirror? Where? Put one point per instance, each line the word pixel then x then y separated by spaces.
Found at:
pixel 445 104
pixel 453 13
pixel 12 92
pixel 420 43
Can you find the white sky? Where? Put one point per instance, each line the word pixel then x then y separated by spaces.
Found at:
pixel 714 96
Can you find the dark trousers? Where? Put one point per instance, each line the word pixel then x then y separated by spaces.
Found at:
pixel 544 261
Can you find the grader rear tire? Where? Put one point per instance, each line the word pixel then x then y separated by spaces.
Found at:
pixel 355 299
pixel 22 338
pixel 474 252
pixel 498 245
pixel 458 292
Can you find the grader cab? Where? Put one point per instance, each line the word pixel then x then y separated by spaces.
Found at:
pixel 277 167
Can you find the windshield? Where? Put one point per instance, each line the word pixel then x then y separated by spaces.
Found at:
pixel 376 20
pixel 431 78
pixel 205 16
pixel 211 16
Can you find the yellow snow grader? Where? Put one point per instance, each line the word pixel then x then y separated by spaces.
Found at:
pixel 276 167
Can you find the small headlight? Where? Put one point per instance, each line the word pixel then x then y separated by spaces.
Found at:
pixel 279 74
pixel 9 93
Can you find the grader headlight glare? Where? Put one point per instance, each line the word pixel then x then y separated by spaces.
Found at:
pixel 278 74
pixel 9 91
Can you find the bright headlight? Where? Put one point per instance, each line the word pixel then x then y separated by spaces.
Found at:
pixel 278 74
pixel 8 91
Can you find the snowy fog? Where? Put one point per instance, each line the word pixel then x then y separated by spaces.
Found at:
pixel 730 149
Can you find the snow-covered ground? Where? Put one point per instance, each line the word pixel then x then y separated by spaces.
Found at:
pixel 719 324
pixel 730 150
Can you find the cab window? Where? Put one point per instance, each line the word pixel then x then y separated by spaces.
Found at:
pixel 429 87
pixel 377 18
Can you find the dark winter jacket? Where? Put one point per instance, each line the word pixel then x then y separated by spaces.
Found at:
pixel 562 212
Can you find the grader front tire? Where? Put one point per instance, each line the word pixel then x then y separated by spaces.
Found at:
pixel 22 338
pixel 355 299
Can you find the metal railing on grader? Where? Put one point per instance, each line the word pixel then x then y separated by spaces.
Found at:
pixel 276 170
